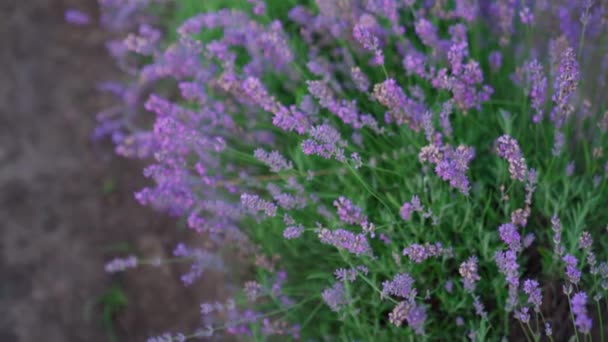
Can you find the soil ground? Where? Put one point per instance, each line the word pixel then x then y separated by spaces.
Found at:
pixel 66 204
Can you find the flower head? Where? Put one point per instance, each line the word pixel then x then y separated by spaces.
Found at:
pixel 469 272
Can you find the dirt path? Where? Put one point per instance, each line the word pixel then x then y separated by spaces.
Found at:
pixel 66 206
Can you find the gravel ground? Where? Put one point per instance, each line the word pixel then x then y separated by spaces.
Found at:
pixel 66 205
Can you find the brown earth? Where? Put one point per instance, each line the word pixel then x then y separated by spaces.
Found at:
pixel 66 204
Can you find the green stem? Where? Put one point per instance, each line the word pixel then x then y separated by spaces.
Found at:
pixel 523 328
pixel 599 315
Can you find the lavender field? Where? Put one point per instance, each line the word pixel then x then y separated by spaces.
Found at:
pixel 357 170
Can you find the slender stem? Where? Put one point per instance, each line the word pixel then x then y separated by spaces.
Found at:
pixel 537 326
pixel 586 19
pixel 532 332
pixel 599 315
pixel 523 328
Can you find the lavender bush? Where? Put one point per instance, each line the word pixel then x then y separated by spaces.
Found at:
pixel 391 169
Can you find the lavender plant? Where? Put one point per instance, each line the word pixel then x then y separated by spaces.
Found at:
pixel 393 170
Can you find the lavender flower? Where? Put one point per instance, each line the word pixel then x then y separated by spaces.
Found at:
pixel 427 32
pixel 479 307
pixel 444 118
pixel 569 169
pixel 520 217
pixel 340 238
pixel 254 203
pixel 558 248
pixel 522 315
pixel 360 79
pixel 201 261
pixel 418 253
pixel 350 274
pixel 402 286
pixel 335 296
pixel 495 59
pixel 505 11
pixel 348 212
pixel 326 142
pixel 274 160
pixel 406 211
pixel 451 164
pixel 582 320
pixel 585 241
pixel 253 290
pixel 537 83
pixel 121 264
pixel 559 140
pixel 402 109
pixel 459 321
pixel 449 286
pixel 528 240
pixel 259 6
pixel 507 264
pixel 77 17
pixel 573 274
pixel 564 85
pixel 346 110
pixel 510 236
pixel 534 295
pixel 168 337
pixel 288 119
pixel 526 16
pixel 469 272
pixel 409 311
pixel 508 148
pixel 293 232
pixel 363 32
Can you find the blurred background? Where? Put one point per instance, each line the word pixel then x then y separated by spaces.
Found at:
pixel 66 203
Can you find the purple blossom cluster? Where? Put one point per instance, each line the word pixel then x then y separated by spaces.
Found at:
pixel 350 274
pixel 537 85
pixel 535 296
pixel 469 271
pixel 335 296
pixel 402 109
pixel 121 264
pixel 418 253
pixel 402 285
pixel 325 141
pixel 201 261
pixel 344 239
pixel 364 33
pixel 255 204
pixel 274 160
pixel 564 85
pixel 77 17
pixel 573 274
pixel 508 148
pixel 451 164
pixel 582 320
pixel 410 207
pixel 415 316
pixel 345 110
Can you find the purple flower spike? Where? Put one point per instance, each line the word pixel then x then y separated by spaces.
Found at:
pixel 508 148
pixel 581 317
pixel 469 272
pixel 77 17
